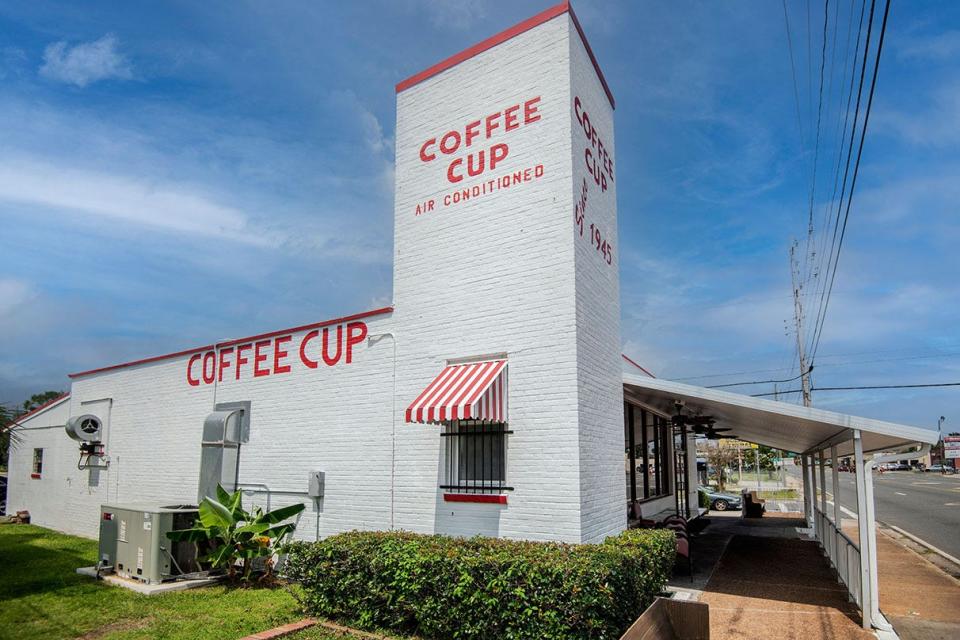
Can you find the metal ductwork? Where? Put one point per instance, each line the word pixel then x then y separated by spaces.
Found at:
pixel 224 430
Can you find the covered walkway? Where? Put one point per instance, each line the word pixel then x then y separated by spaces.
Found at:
pixel 816 435
pixel 765 581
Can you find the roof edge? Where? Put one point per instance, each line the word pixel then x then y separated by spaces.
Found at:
pixel 38 410
pixel 636 364
pixel 503 36
pixel 235 341
pixel 907 433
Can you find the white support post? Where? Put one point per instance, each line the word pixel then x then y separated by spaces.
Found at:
pixel 823 482
pixel 837 514
pixel 806 487
pixel 866 593
pixel 813 493
pixel 870 541
pixel 835 473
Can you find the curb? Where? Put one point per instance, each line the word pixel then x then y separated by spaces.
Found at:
pixel 279 632
pixel 924 544
pixel 293 627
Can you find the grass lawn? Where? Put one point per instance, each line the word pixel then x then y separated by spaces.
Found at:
pixel 42 597
pixel 779 494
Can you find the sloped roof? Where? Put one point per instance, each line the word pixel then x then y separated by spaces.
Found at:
pixel 771 423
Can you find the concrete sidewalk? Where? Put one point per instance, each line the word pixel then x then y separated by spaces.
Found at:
pixel 762 581
pixel 921 601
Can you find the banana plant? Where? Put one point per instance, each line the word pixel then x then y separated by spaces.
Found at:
pixel 237 536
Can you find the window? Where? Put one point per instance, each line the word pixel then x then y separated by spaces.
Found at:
pixel 37 462
pixel 476 456
pixel 646 454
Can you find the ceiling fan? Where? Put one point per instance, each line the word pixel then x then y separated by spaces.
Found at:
pixel 702 425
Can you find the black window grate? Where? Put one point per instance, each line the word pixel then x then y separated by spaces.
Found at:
pixel 476 454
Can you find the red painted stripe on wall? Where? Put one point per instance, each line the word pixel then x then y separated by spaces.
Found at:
pixel 475 497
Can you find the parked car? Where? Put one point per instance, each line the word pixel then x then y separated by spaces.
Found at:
pixel 940 468
pixel 722 501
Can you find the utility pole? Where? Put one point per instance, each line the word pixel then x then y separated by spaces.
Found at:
pixel 798 324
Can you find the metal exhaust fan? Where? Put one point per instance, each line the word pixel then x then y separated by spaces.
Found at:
pixel 88 431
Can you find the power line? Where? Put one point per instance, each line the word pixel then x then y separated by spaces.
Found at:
pixel 793 71
pixel 856 169
pixel 880 386
pixel 843 115
pixel 743 384
pixel 829 255
pixel 816 145
pixel 822 365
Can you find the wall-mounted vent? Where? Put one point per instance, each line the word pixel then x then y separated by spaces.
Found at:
pixel 85 428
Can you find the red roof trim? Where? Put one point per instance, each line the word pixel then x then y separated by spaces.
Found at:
pixel 41 408
pixel 227 343
pixel 637 365
pixel 503 36
pixel 593 58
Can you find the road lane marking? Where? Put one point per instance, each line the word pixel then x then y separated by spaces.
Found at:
pixel 844 510
pixel 926 483
pixel 952 504
pixel 899 493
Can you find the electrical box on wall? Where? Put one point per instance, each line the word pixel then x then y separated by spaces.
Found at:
pixel 315 484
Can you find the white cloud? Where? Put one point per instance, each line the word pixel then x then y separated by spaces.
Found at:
pixel 13 293
pixel 86 62
pixel 121 198
pixel 943 46
pixel 454 15
pixel 930 121
pixel 361 123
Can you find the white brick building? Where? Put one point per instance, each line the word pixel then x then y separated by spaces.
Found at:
pixel 506 262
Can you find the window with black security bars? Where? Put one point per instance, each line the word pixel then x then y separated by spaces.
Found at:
pixel 476 456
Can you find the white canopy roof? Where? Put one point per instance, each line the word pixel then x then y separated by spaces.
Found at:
pixel 771 423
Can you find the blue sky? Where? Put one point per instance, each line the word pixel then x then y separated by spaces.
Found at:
pixel 178 173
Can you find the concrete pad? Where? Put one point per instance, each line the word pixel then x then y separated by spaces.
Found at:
pixel 150 589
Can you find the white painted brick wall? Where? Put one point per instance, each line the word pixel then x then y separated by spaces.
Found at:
pixel 494 275
pixel 502 273
pixel 600 382
pixel 333 419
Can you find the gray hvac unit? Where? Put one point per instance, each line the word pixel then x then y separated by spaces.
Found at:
pixel 133 540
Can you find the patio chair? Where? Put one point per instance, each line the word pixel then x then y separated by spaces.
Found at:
pixel 752 506
pixel 635 519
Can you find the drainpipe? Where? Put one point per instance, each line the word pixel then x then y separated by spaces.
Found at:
pixel 879 621
pixel 866 594
pixel 371 340
pixel 812 469
pixel 806 487
pixel 835 474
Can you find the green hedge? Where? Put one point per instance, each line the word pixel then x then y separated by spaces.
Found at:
pixel 443 587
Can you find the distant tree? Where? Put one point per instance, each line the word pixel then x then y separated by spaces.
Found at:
pixel 9 415
pixel 720 458
pixel 40 399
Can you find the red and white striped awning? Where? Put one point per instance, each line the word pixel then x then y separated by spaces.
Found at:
pixel 473 391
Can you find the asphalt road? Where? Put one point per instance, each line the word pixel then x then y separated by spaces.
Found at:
pixel 925 504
